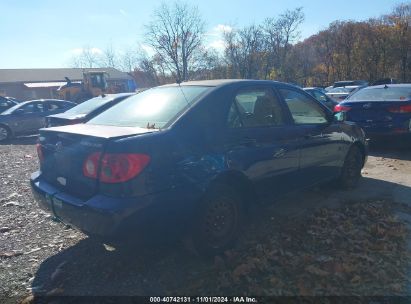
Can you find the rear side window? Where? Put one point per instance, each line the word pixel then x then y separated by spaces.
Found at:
pixel 255 107
pixel 319 96
pixel 303 109
pixel 154 108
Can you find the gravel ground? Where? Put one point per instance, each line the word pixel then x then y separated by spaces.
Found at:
pixel 331 243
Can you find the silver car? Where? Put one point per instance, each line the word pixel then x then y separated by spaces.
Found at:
pixel 28 117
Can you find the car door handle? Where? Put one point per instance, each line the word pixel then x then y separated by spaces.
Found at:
pixel 279 153
pixel 248 141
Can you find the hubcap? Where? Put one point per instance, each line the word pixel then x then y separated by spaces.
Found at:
pixel 220 221
pixel 3 133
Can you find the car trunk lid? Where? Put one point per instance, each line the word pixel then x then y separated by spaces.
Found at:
pixel 66 148
pixel 369 111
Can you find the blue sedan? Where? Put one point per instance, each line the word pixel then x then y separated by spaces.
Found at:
pixel 383 110
pixel 191 158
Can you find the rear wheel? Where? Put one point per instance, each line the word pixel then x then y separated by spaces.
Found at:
pixel 4 133
pixel 218 222
pixel 351 171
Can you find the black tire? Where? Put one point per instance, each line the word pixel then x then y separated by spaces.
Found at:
pixel 351 170
pixel 4 133
pixel 218 222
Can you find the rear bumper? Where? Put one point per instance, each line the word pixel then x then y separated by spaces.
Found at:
pixel 398 128
pixel 110 217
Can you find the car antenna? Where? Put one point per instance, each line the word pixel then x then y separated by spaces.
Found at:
pixel 181 89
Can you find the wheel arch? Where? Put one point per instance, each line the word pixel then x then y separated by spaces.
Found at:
pixel 236 180
pixel 11 134
pixel 363 150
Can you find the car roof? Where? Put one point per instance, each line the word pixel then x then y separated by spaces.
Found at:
pixel 397 85
pixel 43 100
pixel 222 82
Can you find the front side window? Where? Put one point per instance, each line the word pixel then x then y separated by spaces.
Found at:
pixel 303 109
pixel 255 107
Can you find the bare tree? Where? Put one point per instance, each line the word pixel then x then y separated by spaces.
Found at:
pixel 176 34
pixel 109 57
pixel 88 58
pixel 129 59
pixel 279 35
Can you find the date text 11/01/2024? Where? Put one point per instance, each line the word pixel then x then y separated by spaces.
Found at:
pixel 203 300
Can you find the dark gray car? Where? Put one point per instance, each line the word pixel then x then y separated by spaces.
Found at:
pixel 28 117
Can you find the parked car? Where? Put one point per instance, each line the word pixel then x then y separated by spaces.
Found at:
pixel 6 103
pixel 192 156
pixel 86 110
pixel 346 83
pixel 340 93
pixel 321 97
pixel 28 117
pixel 380 110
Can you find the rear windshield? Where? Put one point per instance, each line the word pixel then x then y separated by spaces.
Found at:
pixel 89 105
pixel 382 94
pixel 153 108
pixel 341 90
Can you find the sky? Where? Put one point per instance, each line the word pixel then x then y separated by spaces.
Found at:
pixel 48 33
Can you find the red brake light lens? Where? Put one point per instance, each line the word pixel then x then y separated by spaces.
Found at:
pixel 341 108
pixel 115 167
pixel 400 109
pixel 40 152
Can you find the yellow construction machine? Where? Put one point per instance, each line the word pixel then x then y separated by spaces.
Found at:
pixel 94 84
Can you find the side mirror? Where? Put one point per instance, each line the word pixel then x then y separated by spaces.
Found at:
pixel 340 116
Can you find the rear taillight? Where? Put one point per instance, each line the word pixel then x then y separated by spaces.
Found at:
pixel 115 167
pixel 40 152
pixel 341 108
pixel 400 109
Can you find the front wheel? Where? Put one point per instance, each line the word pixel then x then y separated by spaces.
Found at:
pixel 218 223
pixel 4 133
pixel 351 171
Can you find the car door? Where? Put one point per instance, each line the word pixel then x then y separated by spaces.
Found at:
pixel 260 144
pixel 320 139
pixel 28 118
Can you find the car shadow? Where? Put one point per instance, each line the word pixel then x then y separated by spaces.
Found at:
pixel 88 269
pixel 391 148
pixel 23 140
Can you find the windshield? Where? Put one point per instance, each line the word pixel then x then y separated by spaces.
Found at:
pixel 153 108
pixel 10 110
pixel 383 94
pixel 89 105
